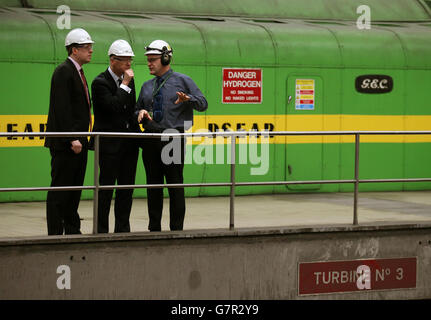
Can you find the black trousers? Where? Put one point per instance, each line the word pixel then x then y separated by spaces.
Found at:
pixel 67 169
pixel 120 168
pixel 156 170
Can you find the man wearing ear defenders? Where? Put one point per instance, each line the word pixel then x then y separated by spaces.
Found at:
pixel 171 98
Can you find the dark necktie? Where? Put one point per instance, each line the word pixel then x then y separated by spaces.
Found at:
pixel 119 82
pixel 84 81
pixel 158 101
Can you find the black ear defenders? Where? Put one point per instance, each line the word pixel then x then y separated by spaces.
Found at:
pixel 165 59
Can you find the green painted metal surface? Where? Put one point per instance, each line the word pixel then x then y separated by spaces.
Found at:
pixel 287 40
pixel 383 10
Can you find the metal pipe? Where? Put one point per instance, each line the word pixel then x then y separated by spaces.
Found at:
pixel 96 184
pixel 355 194
pixel 232 180
pixel 208 134
pixel 395 180
pixel 212 184
pixel 47 188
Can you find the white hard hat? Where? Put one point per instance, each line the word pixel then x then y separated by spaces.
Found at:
pixel 78 36
pixel 121 48
pixel 159 47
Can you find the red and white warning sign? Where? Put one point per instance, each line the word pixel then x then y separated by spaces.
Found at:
pixel 356 275
pixel 242 85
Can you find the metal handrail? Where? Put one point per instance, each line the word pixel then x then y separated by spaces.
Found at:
pixel 233 183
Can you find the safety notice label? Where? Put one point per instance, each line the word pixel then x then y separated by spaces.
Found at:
pixel 242 85
pixel 304 94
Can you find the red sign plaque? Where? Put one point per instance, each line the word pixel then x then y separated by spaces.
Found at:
pixel 356 275
pixel 242 85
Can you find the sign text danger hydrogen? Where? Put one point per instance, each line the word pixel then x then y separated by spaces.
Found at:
pixel 242 85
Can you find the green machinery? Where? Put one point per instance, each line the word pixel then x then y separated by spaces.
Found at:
pixel 316 65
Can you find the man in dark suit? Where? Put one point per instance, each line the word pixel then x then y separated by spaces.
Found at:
pixel 69 111
pixel 114 99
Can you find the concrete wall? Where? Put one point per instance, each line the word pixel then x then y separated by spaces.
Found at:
pixel 206 264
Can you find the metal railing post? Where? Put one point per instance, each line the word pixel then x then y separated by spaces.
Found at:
pixel 96 184
pixel 355 194
pixel 232 180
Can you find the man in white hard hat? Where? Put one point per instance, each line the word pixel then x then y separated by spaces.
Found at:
pixel 69 111
pixel 172 97
pixel 114 100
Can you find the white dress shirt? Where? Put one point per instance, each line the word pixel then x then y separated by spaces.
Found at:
pixel 116 78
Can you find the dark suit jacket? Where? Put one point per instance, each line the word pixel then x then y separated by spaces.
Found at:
pixel 113 111
pixel 68 107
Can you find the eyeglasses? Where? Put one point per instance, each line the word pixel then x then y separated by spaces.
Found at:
pixel 124 59
pixel 151 60
pixel 87 46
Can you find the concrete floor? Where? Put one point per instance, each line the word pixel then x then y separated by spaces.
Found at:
pixel 28 218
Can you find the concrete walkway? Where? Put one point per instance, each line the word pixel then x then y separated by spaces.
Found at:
pixel 28 218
